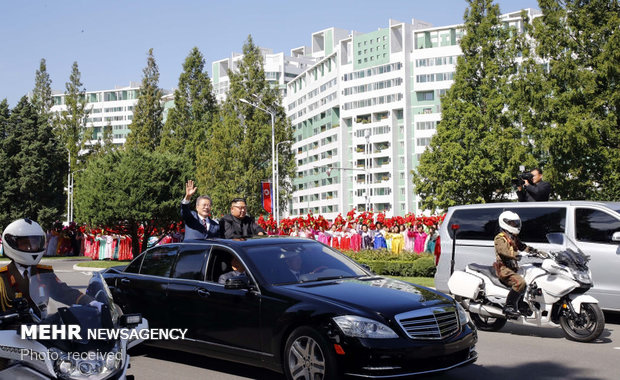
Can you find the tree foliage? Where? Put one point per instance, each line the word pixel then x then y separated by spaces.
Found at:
pixel 42 94
pixel 238 157
pixel 70 123
pixel 195 108
pixel 146 126
pixel 126 189
pixel 477 147
pixel 581 43
pixel 32 166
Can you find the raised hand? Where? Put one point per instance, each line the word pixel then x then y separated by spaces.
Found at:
pixel 190 189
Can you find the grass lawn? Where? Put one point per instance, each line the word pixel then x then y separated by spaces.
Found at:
pixel 424 281
pixel 102 263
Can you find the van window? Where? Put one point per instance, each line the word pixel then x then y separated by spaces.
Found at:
pixel 481 224
pixel 595 226
pixel 475 224
pixel 536 223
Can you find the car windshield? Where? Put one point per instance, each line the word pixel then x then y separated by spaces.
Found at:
pixel 302 262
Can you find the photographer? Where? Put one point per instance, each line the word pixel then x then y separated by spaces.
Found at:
pixel 534 189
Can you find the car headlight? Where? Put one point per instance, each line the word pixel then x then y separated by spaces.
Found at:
pixel 463 316
pixel 360 327
pixel 86 365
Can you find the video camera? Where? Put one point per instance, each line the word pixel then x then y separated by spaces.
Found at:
pixel 521 178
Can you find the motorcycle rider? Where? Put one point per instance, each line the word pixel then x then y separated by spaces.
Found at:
pixel 23 242
pixel 507 248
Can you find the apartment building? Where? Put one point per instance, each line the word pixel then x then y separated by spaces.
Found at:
pixel 366 110
pixel 107 107
pixel 279 69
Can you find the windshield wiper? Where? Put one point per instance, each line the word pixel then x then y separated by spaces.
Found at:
pixel 331 278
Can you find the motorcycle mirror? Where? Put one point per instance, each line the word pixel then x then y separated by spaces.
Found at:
pixel 615 236
pixel 130 320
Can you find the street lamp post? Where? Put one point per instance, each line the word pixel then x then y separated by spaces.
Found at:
pixel 274 207
pixel 277 186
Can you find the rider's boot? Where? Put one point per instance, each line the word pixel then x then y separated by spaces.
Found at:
pixel 511 309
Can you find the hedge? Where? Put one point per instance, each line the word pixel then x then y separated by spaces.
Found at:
pixel 407 264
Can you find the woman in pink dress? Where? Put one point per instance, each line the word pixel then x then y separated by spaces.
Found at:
pixel 409 238
pixel 420 239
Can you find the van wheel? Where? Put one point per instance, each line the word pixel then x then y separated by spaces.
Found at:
pixel 308 356
pixel 487 323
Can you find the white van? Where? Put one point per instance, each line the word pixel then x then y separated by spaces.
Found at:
pixel 594 226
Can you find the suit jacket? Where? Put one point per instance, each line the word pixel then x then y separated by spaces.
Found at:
pixel 536 192
pixel 194 229
pixel 234 228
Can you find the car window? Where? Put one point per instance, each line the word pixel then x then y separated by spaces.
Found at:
pixel 134 266
pixel 158 261
pixel 595 226
pixel 301 261
pixel 190 263
pixel 475 224
pixel 219 263
pixel 536 222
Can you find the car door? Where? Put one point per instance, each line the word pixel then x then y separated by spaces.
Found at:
pixel 232 319
pixel 593 232
pixel 145 292
pixel 187 297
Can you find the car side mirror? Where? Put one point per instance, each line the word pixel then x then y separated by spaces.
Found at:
pixel 237 282
pixel 367 267
pixel 615 236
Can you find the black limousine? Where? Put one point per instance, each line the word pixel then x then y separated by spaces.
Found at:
pixel 294 306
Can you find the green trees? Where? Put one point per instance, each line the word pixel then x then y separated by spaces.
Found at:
pixel 238 156
pixel 581 44
pixel 195 109
pixel 32 166
pixel 42 93
pixel 146 125
pixel 129 188
pixel 70 123
pixel 477 147
pixel 557 109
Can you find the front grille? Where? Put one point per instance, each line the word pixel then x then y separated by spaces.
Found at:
pixel 431 323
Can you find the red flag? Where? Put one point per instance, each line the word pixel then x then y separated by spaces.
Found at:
pixel 266 193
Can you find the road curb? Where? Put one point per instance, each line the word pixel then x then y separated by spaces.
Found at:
pixel 87 269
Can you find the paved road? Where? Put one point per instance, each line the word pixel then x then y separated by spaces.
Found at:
pixel 516 352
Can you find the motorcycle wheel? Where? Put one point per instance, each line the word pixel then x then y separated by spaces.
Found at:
pixel 487 323
pixel 587 326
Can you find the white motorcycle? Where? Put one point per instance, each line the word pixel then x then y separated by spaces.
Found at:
pixel 40 355
pixel 554 293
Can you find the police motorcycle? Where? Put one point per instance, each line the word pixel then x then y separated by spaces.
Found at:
pixel 555 285
pixel 46 339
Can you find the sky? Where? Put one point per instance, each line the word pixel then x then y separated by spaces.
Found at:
pixel 110 39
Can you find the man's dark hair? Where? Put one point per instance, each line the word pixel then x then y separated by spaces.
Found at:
pixel 204 197
pixel 237 200
pixel 539 170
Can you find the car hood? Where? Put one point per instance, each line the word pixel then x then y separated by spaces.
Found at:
pixel 385 296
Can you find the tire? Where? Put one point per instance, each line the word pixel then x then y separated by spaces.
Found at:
pixel 487 323
pixel 308 356
pixel 589 326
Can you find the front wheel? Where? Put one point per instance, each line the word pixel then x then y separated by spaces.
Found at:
pixel 487 323
pixel 586 326
pixel 308 356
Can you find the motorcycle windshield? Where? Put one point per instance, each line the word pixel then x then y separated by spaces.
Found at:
pixel 57 303
pixel 569 253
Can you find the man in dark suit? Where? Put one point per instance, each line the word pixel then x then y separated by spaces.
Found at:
pixel 198 224
pixel 537 191
pixel 238 224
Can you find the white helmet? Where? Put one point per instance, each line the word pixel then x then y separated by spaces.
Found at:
pixel 510 221
pixel 23 241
